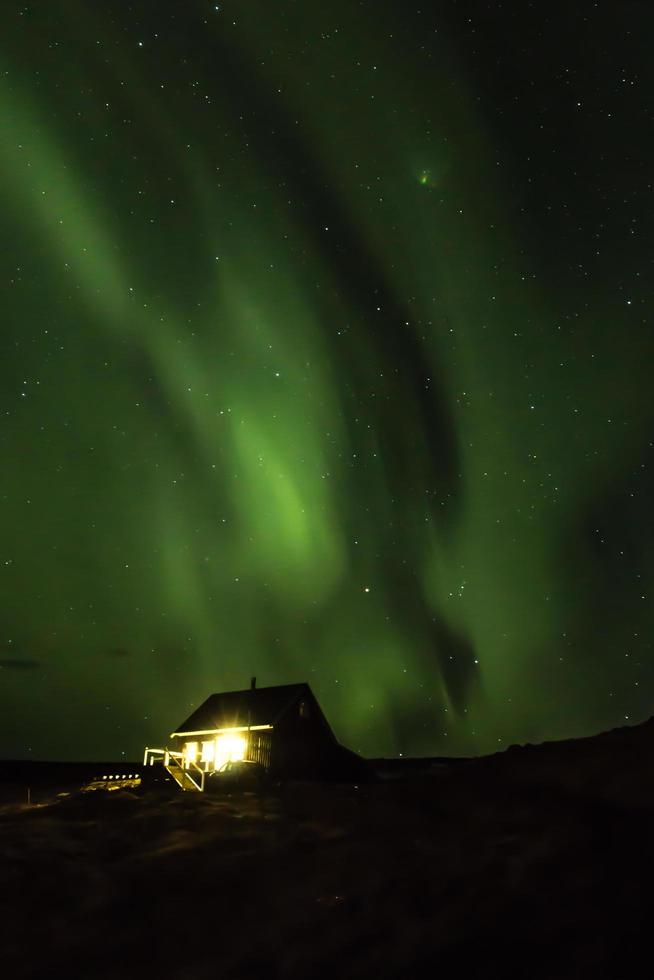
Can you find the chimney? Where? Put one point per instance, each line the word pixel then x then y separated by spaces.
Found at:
pixel 253 683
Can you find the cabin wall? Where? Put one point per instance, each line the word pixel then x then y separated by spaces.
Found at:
pixel 304 719
pixel 260 748
pixel 303 744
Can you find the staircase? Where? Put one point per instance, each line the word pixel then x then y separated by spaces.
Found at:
pixel 189 778
pixel 192 779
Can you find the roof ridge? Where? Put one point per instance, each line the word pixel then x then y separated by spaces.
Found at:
pixel 263 705
pixel 254 690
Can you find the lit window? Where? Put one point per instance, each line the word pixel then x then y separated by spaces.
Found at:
pixel 230 747
pixel 208 749
pixel 190 753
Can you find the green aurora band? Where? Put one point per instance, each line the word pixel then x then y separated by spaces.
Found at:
pixel 277 405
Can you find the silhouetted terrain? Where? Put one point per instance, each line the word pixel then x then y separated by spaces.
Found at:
pixel 536 863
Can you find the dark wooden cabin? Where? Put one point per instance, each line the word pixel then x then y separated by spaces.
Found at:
pixel 283 728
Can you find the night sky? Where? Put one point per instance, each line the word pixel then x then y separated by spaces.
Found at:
pixel 326 355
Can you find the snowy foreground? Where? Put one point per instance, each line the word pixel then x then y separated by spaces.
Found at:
pixel 537 863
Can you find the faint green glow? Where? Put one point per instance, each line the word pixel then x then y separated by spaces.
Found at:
pixel 239 331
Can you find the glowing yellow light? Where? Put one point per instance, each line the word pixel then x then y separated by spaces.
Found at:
pixel 190 753
pixel 230 747
pixel 208 751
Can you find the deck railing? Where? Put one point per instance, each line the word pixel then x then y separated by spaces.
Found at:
pixel 151 756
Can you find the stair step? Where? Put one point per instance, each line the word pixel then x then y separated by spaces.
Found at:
pixel 182 778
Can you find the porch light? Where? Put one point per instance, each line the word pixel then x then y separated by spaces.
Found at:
pixel 230 747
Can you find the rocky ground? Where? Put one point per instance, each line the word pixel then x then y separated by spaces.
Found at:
pixel 536 863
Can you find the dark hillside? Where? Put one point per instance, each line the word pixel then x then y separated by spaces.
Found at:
pixel 537 862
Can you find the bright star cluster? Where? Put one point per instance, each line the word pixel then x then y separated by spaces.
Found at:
pixel 326 355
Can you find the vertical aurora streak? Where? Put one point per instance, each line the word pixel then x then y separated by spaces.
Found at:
pixel 291 388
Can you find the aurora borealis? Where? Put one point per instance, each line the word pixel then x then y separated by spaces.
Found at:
pixel 326 356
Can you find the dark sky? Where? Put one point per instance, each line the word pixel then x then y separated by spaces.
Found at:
pixel 326 355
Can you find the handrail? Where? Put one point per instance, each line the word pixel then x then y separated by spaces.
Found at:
pixel 201 771
pixel 176 759
pixel 172 758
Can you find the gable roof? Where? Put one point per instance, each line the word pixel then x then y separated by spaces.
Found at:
pixel 254 706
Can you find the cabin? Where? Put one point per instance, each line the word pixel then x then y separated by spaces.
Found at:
pixel 282 728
